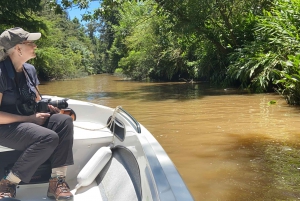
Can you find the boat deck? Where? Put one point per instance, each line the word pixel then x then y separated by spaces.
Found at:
pixel 38 192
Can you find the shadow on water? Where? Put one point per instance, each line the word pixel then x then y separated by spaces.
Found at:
pixel 272 168
pixel 159 92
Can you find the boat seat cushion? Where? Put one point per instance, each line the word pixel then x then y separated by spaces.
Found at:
pixel 120 178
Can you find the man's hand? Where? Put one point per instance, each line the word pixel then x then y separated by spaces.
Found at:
pixel 53 110
pixel 39 118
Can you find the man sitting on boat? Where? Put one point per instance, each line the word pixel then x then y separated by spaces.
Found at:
pixel 40 135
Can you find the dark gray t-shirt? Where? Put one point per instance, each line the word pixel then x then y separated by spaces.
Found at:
pixel 17 90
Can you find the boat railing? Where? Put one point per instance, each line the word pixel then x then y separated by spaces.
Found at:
pixel 135 124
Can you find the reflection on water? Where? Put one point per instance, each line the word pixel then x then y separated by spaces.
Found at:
pixel 225 143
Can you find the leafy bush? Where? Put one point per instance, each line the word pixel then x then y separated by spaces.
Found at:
pixel 289 84
pixel 260 64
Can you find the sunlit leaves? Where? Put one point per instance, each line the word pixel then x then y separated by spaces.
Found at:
pixel 289 82
pixel 272 58
pixel 137 31
pixel 64 51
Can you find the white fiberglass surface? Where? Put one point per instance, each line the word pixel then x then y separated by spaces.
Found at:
pixel 38 192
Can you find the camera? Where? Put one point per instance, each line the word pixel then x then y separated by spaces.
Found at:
pixel 42 105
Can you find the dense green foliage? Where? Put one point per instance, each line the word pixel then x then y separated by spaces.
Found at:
pixel 64 53
pixel 170 40
pixel 20 12
pixel 250 44
pixel 271 60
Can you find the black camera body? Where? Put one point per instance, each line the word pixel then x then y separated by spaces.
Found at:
pixel 42 105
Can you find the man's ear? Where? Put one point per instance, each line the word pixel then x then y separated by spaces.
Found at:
pixel 19 49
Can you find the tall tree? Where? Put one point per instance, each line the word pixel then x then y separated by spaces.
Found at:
pixel 19 13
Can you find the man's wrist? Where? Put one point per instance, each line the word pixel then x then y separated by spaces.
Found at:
pixel 22 118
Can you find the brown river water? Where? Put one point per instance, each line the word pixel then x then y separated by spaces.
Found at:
pixel 226 144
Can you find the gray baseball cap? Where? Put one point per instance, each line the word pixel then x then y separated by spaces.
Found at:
pixel 11 37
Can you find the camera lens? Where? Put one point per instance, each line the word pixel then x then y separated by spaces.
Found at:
pixel 61 104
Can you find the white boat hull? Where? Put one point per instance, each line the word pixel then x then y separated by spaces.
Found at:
pixel 158 177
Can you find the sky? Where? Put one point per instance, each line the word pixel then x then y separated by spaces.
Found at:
pixel 76 12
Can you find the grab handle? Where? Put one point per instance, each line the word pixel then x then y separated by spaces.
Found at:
pixel 137 124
